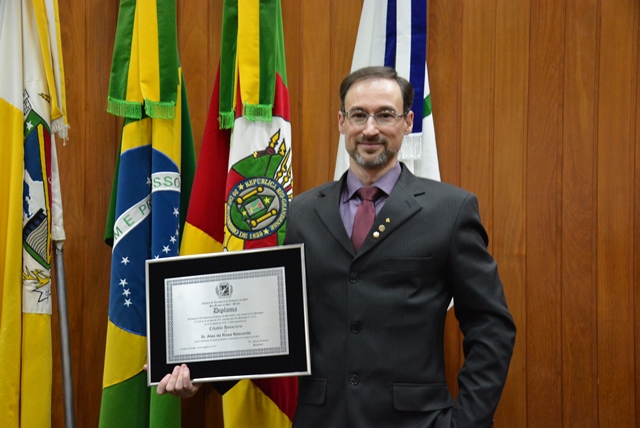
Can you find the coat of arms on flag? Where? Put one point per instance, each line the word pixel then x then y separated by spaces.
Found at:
pixel 36 232
pixel 260 192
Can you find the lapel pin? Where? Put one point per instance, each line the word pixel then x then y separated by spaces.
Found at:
pixel 381 228
pixel 376 234
pixel 388 220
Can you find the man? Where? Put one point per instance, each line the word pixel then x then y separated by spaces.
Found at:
pixel 377 314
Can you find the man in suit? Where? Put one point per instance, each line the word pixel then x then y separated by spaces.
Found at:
pixel 377 313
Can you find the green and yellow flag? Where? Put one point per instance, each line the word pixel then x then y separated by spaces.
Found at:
pixel 150 193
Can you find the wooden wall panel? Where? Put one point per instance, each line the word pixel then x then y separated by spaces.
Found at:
pixel 542 332
pixel 615 170
pixel 536 111
pixel 444 60
pixel 636 225
pixel 293 43
pixel 508 178
pixel 313 163
pixel 579 345
pixel 478 63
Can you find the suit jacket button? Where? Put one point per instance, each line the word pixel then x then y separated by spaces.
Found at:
pixel 353 277
pixel 354 379
pixel 355 327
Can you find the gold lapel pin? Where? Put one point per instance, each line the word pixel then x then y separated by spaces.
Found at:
pixel 388 220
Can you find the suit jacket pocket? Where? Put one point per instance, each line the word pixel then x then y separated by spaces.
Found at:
pixel 406 264
pixel 412 397
pixel 312 391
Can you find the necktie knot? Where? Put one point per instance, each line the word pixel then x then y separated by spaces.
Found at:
pixel 369 193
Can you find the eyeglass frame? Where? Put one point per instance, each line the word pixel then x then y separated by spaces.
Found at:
pixel 347 116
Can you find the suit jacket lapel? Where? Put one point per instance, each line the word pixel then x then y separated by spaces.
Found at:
pixel 328 209
pixel 399 207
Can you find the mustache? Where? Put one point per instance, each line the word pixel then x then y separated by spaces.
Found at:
pixel 377 139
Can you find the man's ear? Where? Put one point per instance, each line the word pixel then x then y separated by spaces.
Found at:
pixel 341 122
pixel 408 123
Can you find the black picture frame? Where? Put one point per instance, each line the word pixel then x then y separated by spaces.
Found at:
pixel 295 362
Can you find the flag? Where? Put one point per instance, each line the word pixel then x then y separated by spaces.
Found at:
pixel 393 33
pixel 244 182
pixel 152 182
pixel 32 108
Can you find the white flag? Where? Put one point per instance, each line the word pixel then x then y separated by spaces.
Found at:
pixel 394 34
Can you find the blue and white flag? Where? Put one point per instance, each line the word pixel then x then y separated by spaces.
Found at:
pixel 394 33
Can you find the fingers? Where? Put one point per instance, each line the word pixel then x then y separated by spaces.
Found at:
pixel 178 383
pixel 162 386
pixel 172 380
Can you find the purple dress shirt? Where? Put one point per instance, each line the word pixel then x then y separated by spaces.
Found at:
pixel 349 201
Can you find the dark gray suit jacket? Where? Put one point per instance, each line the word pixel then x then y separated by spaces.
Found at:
pixel 376 318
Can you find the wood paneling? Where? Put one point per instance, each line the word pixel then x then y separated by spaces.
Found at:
pixel 579 362
pixel 615 172
pixel 536 105
pixel 543 176
pixel 509 180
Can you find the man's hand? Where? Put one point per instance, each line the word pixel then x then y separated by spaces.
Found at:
pixel 178 383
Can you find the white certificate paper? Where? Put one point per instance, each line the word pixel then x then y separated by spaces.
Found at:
pixel 228 315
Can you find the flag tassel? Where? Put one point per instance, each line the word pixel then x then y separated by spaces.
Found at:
pixel 226 119
pixel 124 108
pixel 160 109
pixel 257 112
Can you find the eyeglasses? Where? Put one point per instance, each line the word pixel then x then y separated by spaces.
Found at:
pixel 384 117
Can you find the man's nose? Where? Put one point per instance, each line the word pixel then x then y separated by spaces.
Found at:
pixel 370 126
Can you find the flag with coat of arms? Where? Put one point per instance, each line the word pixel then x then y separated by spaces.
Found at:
pixel 32 110
pixel 244 181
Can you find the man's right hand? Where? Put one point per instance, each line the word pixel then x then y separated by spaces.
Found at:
pixel 178 383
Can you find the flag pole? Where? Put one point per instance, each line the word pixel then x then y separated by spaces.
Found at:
pixel 64 336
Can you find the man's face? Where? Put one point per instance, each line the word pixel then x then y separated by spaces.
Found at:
pixel 372 145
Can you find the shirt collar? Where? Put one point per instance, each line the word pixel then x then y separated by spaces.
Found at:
pixel 386 183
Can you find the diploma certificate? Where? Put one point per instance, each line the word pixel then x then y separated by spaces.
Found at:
pixel 227 315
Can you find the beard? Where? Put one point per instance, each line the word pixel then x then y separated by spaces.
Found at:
pixel 379 161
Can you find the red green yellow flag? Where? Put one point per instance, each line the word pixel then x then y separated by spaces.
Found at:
pixel 244 182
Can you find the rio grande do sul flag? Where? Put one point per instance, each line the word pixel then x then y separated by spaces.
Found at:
pixel 393 33
pixel 151 187
pixel 31 109
pixel 244 182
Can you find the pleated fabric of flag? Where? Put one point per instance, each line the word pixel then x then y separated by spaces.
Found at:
pixel 244 181
pixel 151 187
pixel 32 108
pixel 393 33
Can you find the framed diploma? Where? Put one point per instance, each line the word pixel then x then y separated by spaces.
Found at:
pixel 229 316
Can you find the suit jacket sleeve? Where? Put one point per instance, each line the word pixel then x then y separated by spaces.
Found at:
pixel 487 326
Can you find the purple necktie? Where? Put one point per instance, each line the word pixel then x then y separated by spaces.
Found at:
pixel 365 215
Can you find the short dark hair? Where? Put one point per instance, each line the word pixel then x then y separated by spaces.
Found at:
pixel 378 72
